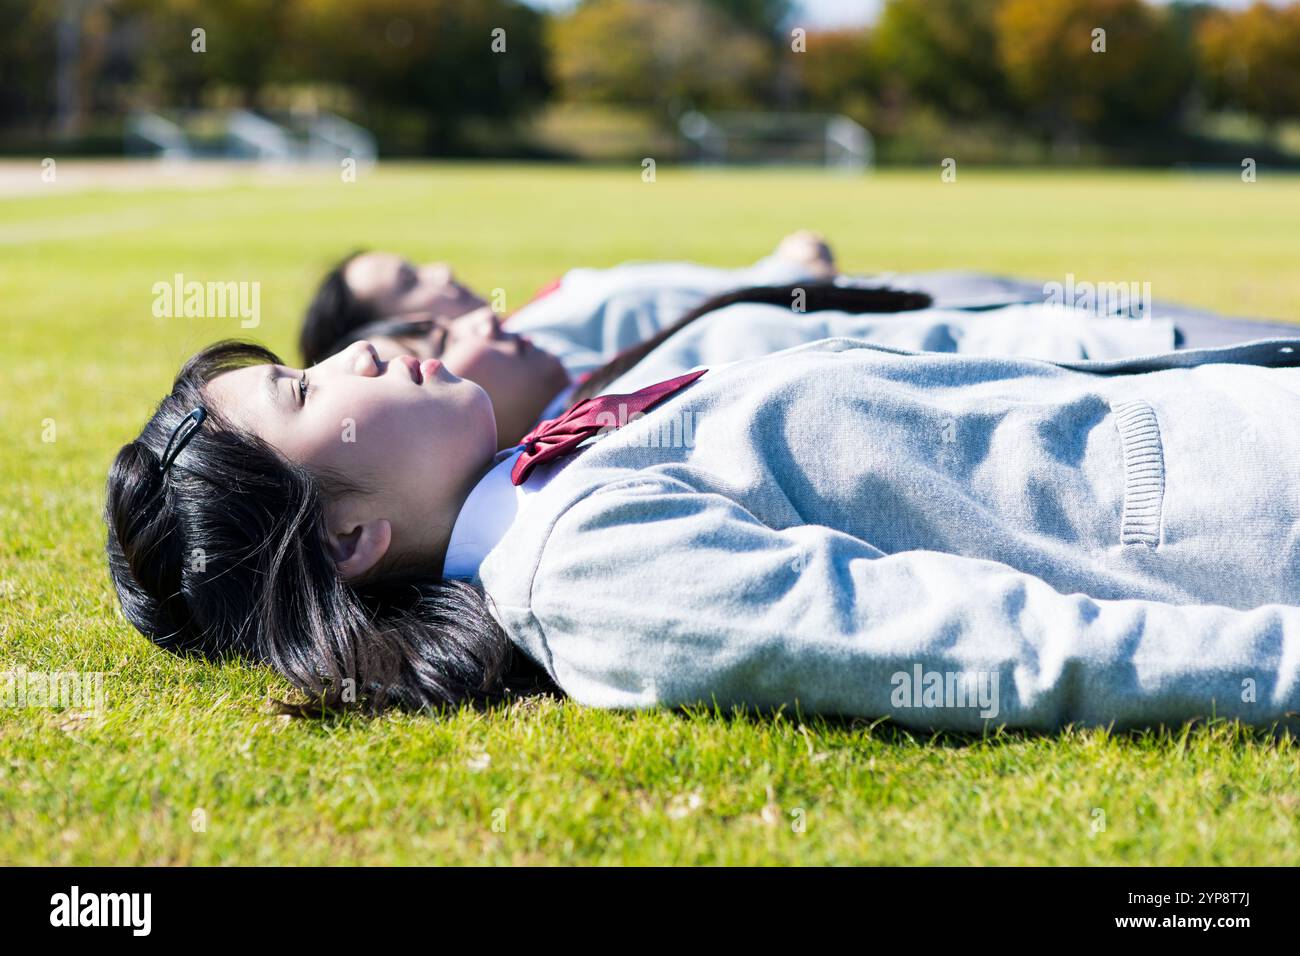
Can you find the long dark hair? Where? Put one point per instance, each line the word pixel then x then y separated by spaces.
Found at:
pixel 808 296
pixel 225 554
pixel 334 312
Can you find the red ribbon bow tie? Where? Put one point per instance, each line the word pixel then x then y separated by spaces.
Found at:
pixel 559 436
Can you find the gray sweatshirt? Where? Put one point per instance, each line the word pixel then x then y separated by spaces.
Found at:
pixel 953 541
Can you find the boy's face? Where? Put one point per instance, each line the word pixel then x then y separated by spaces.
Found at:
pixel 392 285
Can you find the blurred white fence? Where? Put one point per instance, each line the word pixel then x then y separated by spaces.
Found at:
pixel 782 138
pixel 242 134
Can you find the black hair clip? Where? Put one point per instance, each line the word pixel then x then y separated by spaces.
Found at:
pixel 181 436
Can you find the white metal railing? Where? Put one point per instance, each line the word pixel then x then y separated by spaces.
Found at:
pixel 830 139
pixel 320 137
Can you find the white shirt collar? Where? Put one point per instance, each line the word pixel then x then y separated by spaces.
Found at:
pixel 496 501
pixel 490 509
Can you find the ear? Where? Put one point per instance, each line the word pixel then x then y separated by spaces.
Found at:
pixel 357 549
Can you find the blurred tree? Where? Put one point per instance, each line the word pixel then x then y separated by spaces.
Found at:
pixel 432 75
pixel 1056 68
pixel 662 56
pixel 838 73
pixel 765 17
pixel 420 69
pixel 27 58
pixel 1251 59
pixel 246 44
pixel 943 52
pixel 437 62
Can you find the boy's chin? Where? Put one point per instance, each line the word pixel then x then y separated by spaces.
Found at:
pixel 559 377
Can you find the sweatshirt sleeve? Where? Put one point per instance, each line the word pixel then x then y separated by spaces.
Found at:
pixel 653 593
pixel 596 313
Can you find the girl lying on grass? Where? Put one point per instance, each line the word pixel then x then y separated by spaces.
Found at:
pixel 952 541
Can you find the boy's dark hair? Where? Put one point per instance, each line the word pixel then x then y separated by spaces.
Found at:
pixel 334 312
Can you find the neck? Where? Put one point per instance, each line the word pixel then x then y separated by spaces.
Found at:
pixel 429 550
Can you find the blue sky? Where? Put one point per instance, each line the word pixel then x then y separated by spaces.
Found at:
pixel 834 13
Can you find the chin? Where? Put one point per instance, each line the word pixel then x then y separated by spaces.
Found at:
pixel 486 419
pixel 559 378
pixel 480 401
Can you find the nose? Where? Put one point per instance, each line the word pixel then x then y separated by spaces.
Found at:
pixel 486 324
pixel 364 359
pixel 439 273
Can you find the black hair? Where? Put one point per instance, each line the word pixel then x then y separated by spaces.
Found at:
pixel 225 554
pixel 334 312
pixel 798 297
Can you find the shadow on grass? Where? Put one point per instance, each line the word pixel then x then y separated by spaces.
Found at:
pixel 1222 731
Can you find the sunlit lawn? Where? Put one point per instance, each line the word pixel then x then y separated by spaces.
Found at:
pixel 83 359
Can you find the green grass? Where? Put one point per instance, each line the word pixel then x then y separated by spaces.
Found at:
pixel 561 784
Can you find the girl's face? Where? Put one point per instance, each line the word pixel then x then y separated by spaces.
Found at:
pixel 412 435
pixel 519 377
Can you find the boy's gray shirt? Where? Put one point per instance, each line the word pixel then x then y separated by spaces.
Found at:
pixel 597 313
pixel 748 330
pixel 953 541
